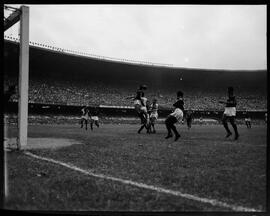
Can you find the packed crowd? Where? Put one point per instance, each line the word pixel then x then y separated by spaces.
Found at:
pixel 97 93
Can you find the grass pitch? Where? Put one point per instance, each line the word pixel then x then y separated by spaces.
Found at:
pixel 202 163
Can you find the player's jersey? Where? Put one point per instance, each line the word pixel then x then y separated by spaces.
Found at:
pixel 230 109
pixel 94 118
pixel 154 108
pixel 247 118
pixel 85 113
pixel 188 115
pixel 137 102
pixel 179 104
pixel 143 104
pixel 178 113
pixel 154 111
pixel 143 101
pixel 231 102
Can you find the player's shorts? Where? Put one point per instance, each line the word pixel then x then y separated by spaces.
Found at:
pixel 247 119
pixel 137 102
pixel 154 116
pixel 143 109
pixel 178 114
pixel 85 117
pixel 94 118
pixel 230 111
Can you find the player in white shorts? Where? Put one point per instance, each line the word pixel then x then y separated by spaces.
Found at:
pixel 176 116
pixel 94 119
pixel 143 113
pixel 139 102
pixel 248 120
pixel 84 117
pixel 230 113
pixel 153 114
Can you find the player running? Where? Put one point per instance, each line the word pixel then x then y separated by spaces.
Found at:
pixel 94 118
pixel 248 120
pixel 230 113
pixel 175 116
pixel 140 107
pixel 189 118
pixel 84 117
pixel 144 114
pixel 153 115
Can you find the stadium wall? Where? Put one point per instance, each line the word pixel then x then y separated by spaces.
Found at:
pixel 53 109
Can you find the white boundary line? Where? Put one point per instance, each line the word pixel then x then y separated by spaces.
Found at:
pixel 213 202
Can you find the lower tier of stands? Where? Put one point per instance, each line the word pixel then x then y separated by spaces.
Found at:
pixel 97 93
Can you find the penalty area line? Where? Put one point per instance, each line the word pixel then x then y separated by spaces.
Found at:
pixel 213 202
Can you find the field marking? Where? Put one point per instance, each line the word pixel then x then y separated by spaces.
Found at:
pixel 213 202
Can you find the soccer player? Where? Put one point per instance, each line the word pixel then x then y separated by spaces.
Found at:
pixel 201 120
pixel 230 113
pixel 143 113
pixel 189 118
pixel 248 120
pixel 94 118
pixel 84 117
pixel 140 106
pixel 153 114
pixel 175 116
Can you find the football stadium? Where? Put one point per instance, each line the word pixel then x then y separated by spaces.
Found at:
pixel 77 163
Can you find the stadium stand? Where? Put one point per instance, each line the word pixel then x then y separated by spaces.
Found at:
pixel 97 93
pixel 66 79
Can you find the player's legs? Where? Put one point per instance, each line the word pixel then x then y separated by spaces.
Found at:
pixel 177 135
pixel 143 121
pixel 152 123
pixel 85 121
pixel 81 122
pixel 169 122
pixel 146 120
pixel 141 128
pixel 91 123
pixel 225 124
pixel 168 126
pixel 148 124
pixel 232 121
pixel 247 124
pixel 97 123
pixel 189 123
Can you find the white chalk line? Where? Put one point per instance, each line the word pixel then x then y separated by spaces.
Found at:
pixel 213 202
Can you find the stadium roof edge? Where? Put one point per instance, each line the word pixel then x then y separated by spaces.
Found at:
pixel 138 63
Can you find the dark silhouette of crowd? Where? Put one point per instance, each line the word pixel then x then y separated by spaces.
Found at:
pixel 92 93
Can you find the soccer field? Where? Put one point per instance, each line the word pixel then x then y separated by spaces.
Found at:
pixel 114 168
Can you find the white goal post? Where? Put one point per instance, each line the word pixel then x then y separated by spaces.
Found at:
pixel 23 17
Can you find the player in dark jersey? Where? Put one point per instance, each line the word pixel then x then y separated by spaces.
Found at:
pixel 94 118
pixel 189 118
pixel 175 116
pixel 230 113
pixel 248 120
